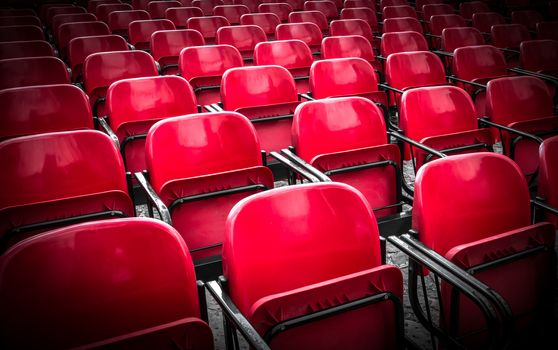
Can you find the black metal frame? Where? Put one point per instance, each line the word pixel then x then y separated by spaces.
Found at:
pixel 539 204
pixel 498 316
pixel 234 320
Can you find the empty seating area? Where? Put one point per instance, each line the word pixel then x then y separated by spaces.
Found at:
pixel 286 174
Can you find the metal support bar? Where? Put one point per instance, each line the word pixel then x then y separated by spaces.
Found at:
pixel 154 198
pixel 472 83
pixel 299 161
pixel 296 167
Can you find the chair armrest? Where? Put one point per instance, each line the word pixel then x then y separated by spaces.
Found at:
pixel 542 76
pixel 299 169
pixel 233 314
pixel 412 142
pixel 484 121
pixel 103 123
pixel 468 82
pixel 299 161
pixel 306 96
pixel 154 198
pixel 213 108
pixel 539 203
pixel 387 87
pixel 442 53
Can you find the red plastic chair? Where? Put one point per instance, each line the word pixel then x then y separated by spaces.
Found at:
pixel 28 71
pixel 402 42
pixel 231 12
pixel 267 96
pixel 103 11
pixel 402 24
pixel 20 21
pixel 540 56
pixel 364 13
pixel 81 47
pixel 478 64
pixel 528 18
pixel 102 69
pixel 509 36
pixel 208 26
pixel 349 46
pixel 134 105
pixel 407 70
pixel 359 3
pixel 140 31
pixel 522 103
pixel 309 33
pixel 352 27
pixel 442 118
pixel 251 4
pixel 281 9
pixel 453 38
pixel 92 4
pixel 21 33
pixel 167 44
pixel 157 9
pixel 140 4
pixel 207 6
pixel 243 37
pixel 384 3
pixel 469 8
pixel 493 248
pixel 484 21
pixel 356 132
pixel 69 31
pixel 436 9
pixel 345 77
pixel 220 164
pixel 326 7
pixel 267 21
pixel 298 5
pixel 547 30
pixel 180 15
pixel 315 17
pixel 53 11
pixel 32 48
pixel 398 11
pixel 440 22
pixel 58 20
pixel 57 179
pixel 40 109
pixel 341 263
pixel 119 21
pixel 158 279
pixel 203 67
pixel 291 54
pixel 547 189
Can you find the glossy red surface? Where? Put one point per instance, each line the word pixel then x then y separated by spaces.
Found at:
pixel 540 56
pixel 257 86
pixel 207 6
pixel 102 11
pixel 398 11
pixel 344 77
pixel 103 68
pixel 439 22
pixel 402 42
pixel 328 228
pixel 472 183
pixel 467 9
pixel 204 66
pixel 39 109
pixel 119 21
pixel 402 24
pixel 180 15
pixel 384 3
pixel 140 31
pixel 133 105
pixel 140 4
pixel 315 17
pixel 282 10
pixel 98 280
pixel 81 47
pixel 53 11
pixel 548 173
pixel 167 44
pixel 207 26
pixel 452 38
pixel 359 3
pixel 509 35
pixel 251 4
pixel 483 21
pixel 21 33
pixel 308 32
pixel 58 20
pixel 364 13
pixel 479 62
pixel 267 21
pixel 69 31
pixel 27 71
pixel 231 12
pixel 351 27
pixel 243 37
pixel 413 69
pixel 436 9
pixel 528 18
pixel 157 9
pixel 291 54
pixel 326 7
pixel 347 46
pixel 18 49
